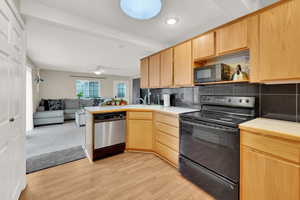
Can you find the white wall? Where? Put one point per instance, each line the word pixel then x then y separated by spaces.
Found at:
pixel 35 91
pixel 60 84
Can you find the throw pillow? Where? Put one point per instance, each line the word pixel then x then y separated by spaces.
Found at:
pixel 55 104
pixel 71 103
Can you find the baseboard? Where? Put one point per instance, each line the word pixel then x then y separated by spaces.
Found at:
pixel 19 189
pixel 139 150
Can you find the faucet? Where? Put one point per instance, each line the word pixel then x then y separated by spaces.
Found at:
pixel 139 100
pixel 148 96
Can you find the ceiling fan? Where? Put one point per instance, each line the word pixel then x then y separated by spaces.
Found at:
pixel 102 70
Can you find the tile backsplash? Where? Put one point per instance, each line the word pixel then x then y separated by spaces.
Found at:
pixel 275 101
pixel 280 102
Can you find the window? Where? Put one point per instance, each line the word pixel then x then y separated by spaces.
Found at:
pixel 88 89
pixel 121 89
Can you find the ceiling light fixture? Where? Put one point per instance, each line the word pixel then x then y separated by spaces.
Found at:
pixel 141 9
pixel 172 21
pixel 97 72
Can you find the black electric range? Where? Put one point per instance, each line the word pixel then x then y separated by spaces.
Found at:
pixel 210 144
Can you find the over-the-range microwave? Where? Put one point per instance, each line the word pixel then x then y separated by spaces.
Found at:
pixel 212 73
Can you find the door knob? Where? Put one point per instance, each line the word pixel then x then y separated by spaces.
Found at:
pixel 12 119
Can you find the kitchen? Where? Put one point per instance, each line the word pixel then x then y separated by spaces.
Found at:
pixel 235 136
pixel 218 119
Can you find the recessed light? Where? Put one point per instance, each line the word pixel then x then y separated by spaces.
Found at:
pixel 172 21
pixel 97 72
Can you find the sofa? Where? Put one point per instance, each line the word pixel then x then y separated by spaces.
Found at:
pixel 48 117
pixel 56 111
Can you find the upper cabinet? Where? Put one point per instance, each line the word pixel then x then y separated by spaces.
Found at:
pixel 204 46
pixel 271 36
pixel 253 44
pixel 232 37
pixel 183 68
pixel 279 42
pixel 166 68
pixel 154 71
pixel 144 73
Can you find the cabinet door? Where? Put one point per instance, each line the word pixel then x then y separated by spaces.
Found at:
pixel 204 46
pixel 154 71
pixel 266 177
pixel 253 43
pixel 145 73
pixel 280 42
pixel 140 136
pixel 166 68
pixel 232 37
pixel 183 69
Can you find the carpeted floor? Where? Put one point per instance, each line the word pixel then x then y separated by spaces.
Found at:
pixel 53 159
pixel 46 139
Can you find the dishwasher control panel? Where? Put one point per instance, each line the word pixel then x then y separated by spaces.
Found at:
pixel 110 116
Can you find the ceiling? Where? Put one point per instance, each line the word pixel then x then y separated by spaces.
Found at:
pixel 73 35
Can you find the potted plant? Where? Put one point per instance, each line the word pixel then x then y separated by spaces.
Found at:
pixel 80 95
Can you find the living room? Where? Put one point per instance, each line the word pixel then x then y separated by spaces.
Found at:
pixel 56 131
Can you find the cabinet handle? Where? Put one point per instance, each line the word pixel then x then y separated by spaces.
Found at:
pixel 12 119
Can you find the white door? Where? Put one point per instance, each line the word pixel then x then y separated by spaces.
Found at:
pixel 12 82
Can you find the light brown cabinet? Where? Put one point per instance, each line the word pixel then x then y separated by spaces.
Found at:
pixel 204 46
pixel 154 71
pixel 144 68
pixel 253 44
pixel 266 177
pixel 269 167
pixel 139 131
pixel 279 42
pixel 183 68
pixel 232 37
pixel 166 68
pixel 167 137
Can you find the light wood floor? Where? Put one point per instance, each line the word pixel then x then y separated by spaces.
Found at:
pixel 130 176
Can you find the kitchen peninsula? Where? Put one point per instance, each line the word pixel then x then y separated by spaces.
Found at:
pixel 150 128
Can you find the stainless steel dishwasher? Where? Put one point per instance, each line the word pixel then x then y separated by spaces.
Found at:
pixel 109 138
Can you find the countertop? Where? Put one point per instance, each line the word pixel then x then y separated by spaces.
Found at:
pixel 139 107
pixel 277 128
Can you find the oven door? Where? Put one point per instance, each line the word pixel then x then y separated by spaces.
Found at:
pixel 212 146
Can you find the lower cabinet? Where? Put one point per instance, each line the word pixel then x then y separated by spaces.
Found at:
pixel 167 153
pixel 266 174
pixel 167 137
pixel 158 133
pixel 139 131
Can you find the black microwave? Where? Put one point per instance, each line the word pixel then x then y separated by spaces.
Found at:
pixel 212 73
